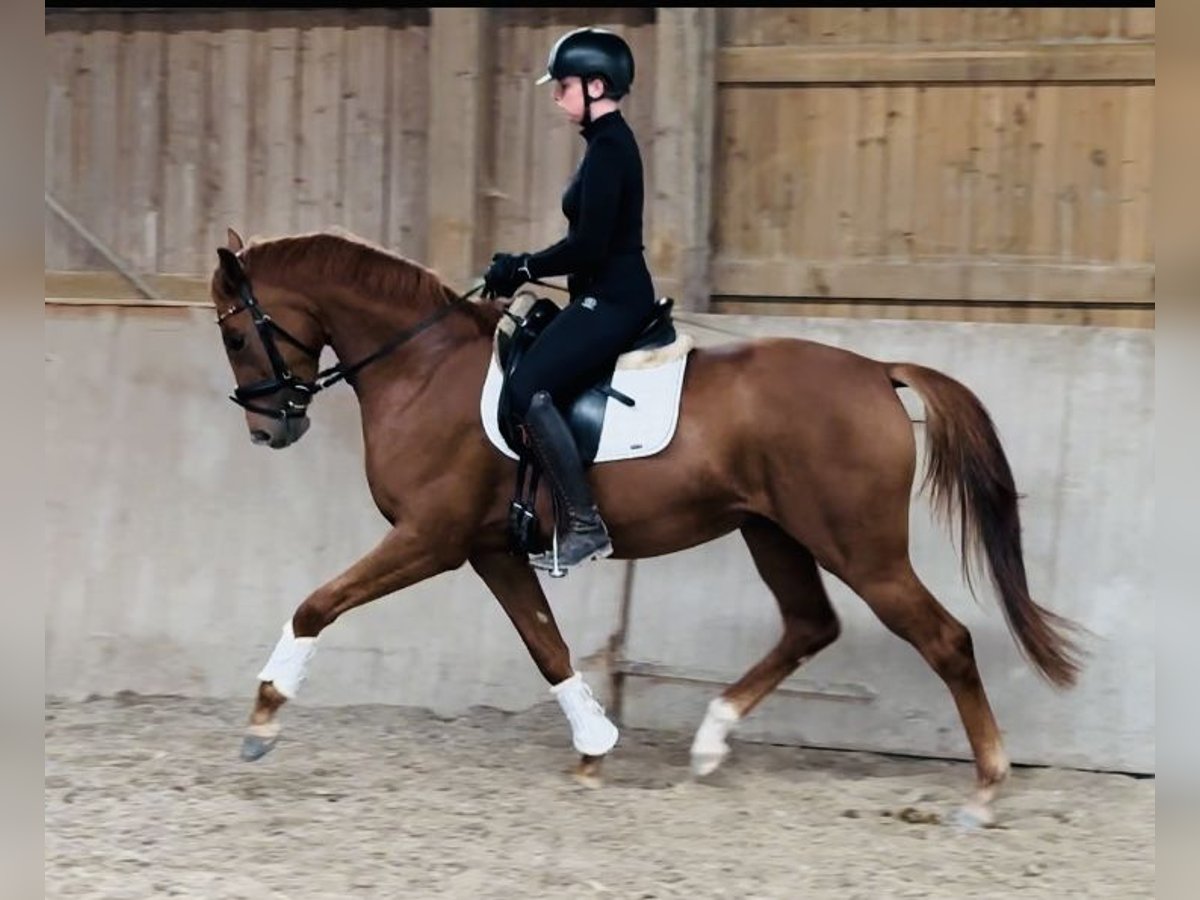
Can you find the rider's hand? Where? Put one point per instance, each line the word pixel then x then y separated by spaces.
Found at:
pixel 506 274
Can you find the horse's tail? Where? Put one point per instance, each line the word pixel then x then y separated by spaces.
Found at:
pixel 967 470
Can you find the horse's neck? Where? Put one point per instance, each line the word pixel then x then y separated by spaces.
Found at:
pixel 359 327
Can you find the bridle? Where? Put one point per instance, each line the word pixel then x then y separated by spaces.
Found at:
pixel 282 378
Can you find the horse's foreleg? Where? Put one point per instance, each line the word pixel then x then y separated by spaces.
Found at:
pixel 809 625
pixel 398 561
pixel 516 586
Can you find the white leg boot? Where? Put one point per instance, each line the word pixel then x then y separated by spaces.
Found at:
pixel 591 732
pixel 709 749
pixel 288 666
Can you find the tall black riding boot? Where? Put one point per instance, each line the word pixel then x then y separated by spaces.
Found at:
pixel 582 536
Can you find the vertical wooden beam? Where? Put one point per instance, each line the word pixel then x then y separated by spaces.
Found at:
pixel 682 157
pixel 459 88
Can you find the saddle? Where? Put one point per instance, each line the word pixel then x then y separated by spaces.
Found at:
pixel 584 413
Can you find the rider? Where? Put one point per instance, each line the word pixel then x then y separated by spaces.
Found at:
pixel 611 293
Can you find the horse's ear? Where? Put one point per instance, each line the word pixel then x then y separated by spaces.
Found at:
pixel 231 269
pixel 233 240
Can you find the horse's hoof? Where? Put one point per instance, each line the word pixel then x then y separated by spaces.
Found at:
pixel 707 762
pixel 254 747
pixel 972 817
pixel 587 772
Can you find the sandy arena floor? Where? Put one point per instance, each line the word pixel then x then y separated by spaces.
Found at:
pixel 146 797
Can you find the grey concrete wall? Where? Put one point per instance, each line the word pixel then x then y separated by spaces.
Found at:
pixel 177 550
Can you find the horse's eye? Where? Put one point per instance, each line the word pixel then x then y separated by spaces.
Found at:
pixel 235 342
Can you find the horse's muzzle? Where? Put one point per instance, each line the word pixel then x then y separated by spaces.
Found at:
pixel 279 433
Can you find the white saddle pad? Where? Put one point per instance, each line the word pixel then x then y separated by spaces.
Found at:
pixel 653 379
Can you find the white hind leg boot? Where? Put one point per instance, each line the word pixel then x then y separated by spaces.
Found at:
pixel 709 748
pixel 591 732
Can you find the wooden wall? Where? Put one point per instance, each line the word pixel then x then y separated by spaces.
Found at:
pixel 990 164
pixel 164 128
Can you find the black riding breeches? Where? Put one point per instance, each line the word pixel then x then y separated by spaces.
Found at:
pixel 574 350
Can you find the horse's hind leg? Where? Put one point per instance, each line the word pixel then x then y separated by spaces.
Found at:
pixel 516 586
pixel 906 606
pixel 809 625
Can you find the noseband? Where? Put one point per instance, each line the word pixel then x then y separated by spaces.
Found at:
pixel 282 378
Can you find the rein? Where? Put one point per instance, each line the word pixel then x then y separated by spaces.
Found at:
pixel 282 378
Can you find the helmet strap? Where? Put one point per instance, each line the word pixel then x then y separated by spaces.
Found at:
pixel 587 101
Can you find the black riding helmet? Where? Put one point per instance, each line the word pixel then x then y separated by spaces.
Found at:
pixel 592 53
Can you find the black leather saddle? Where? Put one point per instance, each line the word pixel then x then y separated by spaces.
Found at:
pixel 585 412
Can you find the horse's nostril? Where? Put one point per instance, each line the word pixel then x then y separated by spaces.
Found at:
pixel 258 436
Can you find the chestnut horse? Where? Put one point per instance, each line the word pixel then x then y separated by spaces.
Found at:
pixel 804 448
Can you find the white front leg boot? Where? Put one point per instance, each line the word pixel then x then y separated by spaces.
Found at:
pixel 591 732
pixel 288 666
pixel 709 749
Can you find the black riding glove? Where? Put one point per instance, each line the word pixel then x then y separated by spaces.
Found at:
pixel 506 274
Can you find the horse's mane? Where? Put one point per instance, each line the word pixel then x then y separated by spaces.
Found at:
pixel 338 255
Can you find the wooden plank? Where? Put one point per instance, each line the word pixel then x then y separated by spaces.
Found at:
pixel 899 213
pixel 545 155
pixel 727 172
pixel 319 136
pixel 956 280
pixel 1089 22
pixel 841 117
pixel 62 45
pixel 874 25
pixel 1136 164
pixel 956 166
pixel 642 113
pixel 796 185
pixel 78 195
pixel 929 181
pixel 110 285
pixel 1020 111
pixel 820 215
pixel 459 88
pixel 278 125
pixel 1138 24
pixel 145 96
pixel 791 64
pixel 408 165
pixel 939 25
pixel 1052 24
pixel 767 198
pixel 1071 174
pixel 905 25
pixel 1102 198
pixel 681 157
pixel 231 110
pixel 99 211
pixel 184 162
pixel 986 173
pixel 1025 313
pixel 509 176
pixel 870 230
pixel 731 25
pixel 364 149
pixel 831 25
pixel 1046 230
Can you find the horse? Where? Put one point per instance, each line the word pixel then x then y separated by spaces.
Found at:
pixel 804 448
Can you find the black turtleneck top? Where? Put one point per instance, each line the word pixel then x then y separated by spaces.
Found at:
pixel 602 252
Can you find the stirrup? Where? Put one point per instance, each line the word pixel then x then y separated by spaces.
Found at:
pixel 549 561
